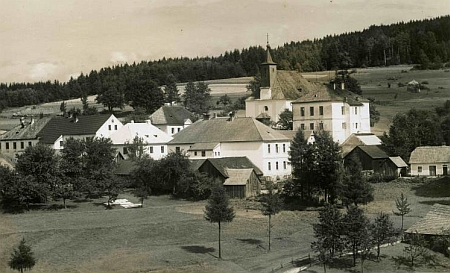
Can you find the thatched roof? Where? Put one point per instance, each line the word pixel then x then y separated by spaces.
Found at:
pixel 435 222
pixel 430 154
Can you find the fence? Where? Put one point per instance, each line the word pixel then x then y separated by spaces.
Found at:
pixel 301 263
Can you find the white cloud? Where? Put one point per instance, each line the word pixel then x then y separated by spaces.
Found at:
pixel 43 71
pixel 122 57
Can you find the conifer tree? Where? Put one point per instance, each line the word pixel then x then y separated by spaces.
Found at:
pixel 22 258
pixel 402 206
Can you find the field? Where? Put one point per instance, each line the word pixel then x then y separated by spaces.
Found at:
pixel 169 235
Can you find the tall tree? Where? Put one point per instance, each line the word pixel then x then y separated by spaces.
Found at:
pixel 328 231
pixel 285 120
pixel 297 156
pixel 355 188
pixel 402 206
pixel 171 90
pixel 355 229
pixel 382 231
pixel 143 176
pixel 196 97
pixel 218 210
pixel 22 258
pixel 271 204
pixel 145 93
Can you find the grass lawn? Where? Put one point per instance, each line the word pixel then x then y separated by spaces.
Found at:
pixel 170 235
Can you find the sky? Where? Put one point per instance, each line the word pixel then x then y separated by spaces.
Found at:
pixel 44 40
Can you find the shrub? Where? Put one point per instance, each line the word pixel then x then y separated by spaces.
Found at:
pixel 424 82
pixel 401 84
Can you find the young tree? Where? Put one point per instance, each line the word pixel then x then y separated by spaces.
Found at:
pixel 218 210
pixel 22 258
pixel 402 206
pixel 382 231
pixel 143 176
pixel 285 120
pixel 271 204
pixel 136 148
pixel 416 251
pixel 355 188
pixel 328 232
pixel 355 229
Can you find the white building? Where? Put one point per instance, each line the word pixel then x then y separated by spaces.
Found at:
pixel 59 129
pixel 430 160
pixel 171 119
pixel 236 137
pixel 341 113
pixel 154 140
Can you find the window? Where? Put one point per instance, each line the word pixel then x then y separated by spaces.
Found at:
pixel 356 110
pixel 302 126
pixel 7 145
pixel 179 129
pixel 162 149
pixel 419 169
pixel 61 143
pixel 311 126
pixel 268 148
pixel 266 108
pixel 195 153
pixel 14 145
pixel 321 110
pixel 311 111
pixel 284 148
pixel 276 165
pixel 109 127
pixel 115 127
pixel 22 145
pixel 343 110
pixel 269 166
pixel 203 153
pixel 125 150
pixel 356 125
pixel 177 149
pixel 29 143
pixel 173 130
pixel 284 165
pixel 302 111
pixel 151 149
pixel 344 125
pixel 321 126
pixel 276 148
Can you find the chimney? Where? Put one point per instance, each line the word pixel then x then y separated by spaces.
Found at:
pixel 334 86
pixel 22 123
pixel 342 86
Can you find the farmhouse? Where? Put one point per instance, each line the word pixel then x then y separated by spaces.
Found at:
pixel 339 112
pixel 216 138
pixel 154 140
pixel 58 129
pixel 355 140
pixel 238 175
pixel 430 160
pixel 22 136
pixel 278 90
pixel 171 119
pixel 375 160
pixel 435 223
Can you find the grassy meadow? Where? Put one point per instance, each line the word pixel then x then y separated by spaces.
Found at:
pixel 170 235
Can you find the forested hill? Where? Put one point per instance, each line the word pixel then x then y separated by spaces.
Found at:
pixel 424 42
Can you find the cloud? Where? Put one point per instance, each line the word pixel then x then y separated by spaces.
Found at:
pixel 122 57
pixel 43 71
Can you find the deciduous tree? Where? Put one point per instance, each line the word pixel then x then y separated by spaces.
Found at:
pixel 196 97
pixel 271 204
pixel 382 231
pixel 356 229
pixel 285 120
pixel 402 206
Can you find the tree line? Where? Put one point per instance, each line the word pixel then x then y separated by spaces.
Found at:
pixel 424 42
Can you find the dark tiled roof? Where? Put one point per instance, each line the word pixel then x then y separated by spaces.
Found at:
pixel 221 130
pixel 57 126
pixel 324 93
pixel 221 164
pixel 430 154
pixel 373 151
pixel 435 222
pixel 30 131
pixel 172 115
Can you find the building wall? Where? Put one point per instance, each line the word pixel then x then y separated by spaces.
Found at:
pixel 16 146
pixel 274 107
pixel 426 168
pixel 153 150
pixel 109 127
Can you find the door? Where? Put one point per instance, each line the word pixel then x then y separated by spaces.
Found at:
pixel 432 170
pixel 444 170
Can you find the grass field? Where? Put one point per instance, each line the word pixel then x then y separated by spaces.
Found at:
pixel 170 235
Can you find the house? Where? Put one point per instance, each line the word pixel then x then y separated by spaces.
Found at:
pixel 375 160
pixel 278 90
pixel 239 176
pixel 339 112
pixel 354 140
pixel 235 137
pixel 434 224
pixel 430 160
pixel 22 136
pixel 154 140
pixel 58 129
pixel 171 119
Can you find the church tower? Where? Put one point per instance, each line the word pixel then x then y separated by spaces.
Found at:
pixel 268 75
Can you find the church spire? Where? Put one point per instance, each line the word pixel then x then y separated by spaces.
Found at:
pixel 268 56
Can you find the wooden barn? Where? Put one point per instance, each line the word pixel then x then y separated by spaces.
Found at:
pixel 374 159
pixel 240 177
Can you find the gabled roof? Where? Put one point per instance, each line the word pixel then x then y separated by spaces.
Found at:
pixel 430 154
pixel 222 130
pixel 373 151
pixel 57 126
pixel 148 132
pixel 237 177
pixel 398 161
pixel 170 115
pixel 325 93
pixel 224 163
pixel 29 131
pixel 435 222
pixel 359 140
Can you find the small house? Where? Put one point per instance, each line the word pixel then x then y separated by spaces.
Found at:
pixel 171 119
pixel 430 160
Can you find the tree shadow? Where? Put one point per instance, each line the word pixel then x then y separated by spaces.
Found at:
pixel 198 249
pixel 251 241
pixel 341 263
pixel 432 202
pixel 434 188
pixel 55 207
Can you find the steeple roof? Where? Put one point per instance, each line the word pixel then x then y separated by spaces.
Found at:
pixel 268 56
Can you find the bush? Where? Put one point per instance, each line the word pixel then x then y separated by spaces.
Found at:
pixel 401 84
pixel 424 82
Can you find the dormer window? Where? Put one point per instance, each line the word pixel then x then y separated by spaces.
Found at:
pixel 266 108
